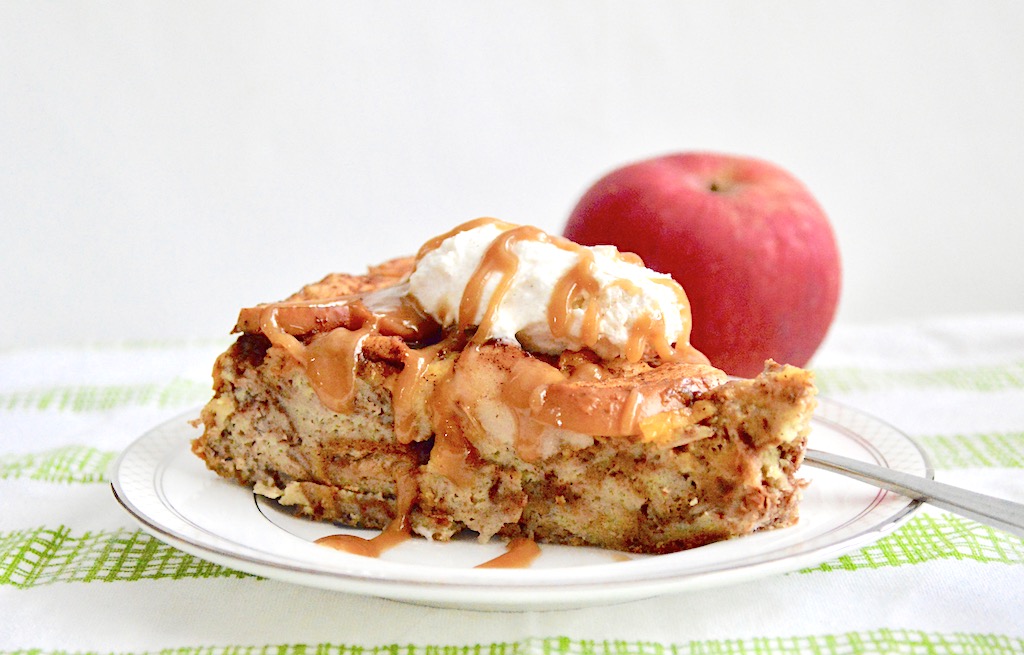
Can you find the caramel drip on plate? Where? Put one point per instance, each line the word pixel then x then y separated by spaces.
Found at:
pixel 519 554
pixel 397 531
pixel 393 535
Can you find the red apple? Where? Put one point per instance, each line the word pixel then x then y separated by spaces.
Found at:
pixel 746 240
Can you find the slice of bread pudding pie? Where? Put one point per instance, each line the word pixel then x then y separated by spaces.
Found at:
pixel 511 383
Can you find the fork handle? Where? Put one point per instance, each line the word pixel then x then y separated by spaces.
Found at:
pixel 996 512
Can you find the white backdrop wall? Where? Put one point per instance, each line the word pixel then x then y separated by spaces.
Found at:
pixel 163 164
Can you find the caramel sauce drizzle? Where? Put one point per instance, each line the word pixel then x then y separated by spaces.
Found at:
pixel 528 381
pixel 452 454
pixel 525 391
pixel 413 368
pixel 645 327
pixel 331 363
pixel 498 261
pixel 433 243
pixel 279 336
pixel 577 288
pixel 519 554
pixel 397 531
pixel 331 358
pixel 630 411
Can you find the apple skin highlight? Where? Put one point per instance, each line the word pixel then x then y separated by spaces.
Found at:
pixel 748 242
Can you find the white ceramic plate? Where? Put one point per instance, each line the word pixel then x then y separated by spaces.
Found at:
pixel 171 494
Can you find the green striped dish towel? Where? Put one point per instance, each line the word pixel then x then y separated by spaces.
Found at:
pixel 77 576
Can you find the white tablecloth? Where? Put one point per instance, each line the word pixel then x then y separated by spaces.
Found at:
pixel 77 575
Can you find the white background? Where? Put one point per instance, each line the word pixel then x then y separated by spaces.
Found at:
pixel 163 164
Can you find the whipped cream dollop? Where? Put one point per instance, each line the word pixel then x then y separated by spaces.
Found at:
pixel 520 285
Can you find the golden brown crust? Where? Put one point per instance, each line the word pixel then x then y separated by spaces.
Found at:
pixel 336 285
pixel 294 311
